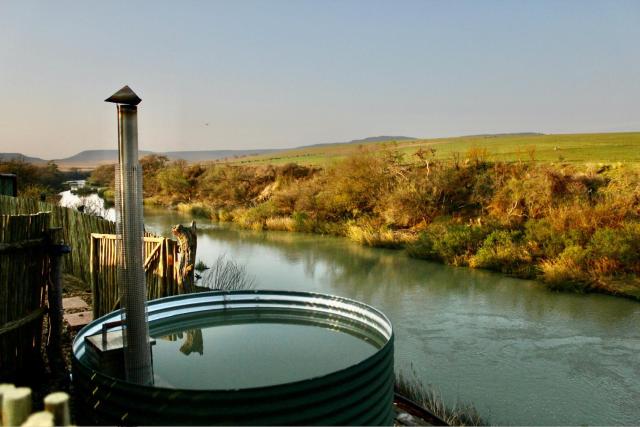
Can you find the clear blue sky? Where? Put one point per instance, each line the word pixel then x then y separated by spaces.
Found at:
pixel 287 73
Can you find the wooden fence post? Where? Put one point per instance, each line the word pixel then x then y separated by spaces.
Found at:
pixel 54 294
pixel 58 405
pixel 16 406
pixel 4 388
pixel 40 419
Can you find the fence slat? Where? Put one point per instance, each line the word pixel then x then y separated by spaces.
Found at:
pixel 159 270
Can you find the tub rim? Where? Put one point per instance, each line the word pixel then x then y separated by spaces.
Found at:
pixel 223 300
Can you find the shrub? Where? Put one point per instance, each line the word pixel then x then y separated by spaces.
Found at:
pixel 452 243
pixel 567 271
pixel 542 240
pixel 503 251
pixel 256 217
pixel 195 209
pixel 621 244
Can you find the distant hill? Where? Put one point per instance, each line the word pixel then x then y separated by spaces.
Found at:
pixel 93 158
pixel 361 141
pixel 18 156
pixel 89 159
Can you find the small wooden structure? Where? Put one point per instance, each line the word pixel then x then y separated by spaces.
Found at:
pixel 8 184
pixel 162 272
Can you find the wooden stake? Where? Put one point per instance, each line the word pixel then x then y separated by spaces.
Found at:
pixel 16 406
pixel 4 388
pixel 58 404
pixel 40 419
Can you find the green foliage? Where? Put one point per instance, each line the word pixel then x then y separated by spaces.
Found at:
pixel 34 180
pixel 173 182
pixel 543 240
pixel 451 243
pixel 621 245
pixel 152 165
pixel 301 220
pixel 103 176
pixel 567 271
pixel 503 251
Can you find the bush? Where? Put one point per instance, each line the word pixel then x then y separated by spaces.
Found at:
pixel 503 251
pixel 566 272
pixel 451 243
pixel 256 217
pixel 620 246
pixel 195 209
pixel 542 240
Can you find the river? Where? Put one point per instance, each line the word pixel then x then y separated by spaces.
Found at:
pixel 518 352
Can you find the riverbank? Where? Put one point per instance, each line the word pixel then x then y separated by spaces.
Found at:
pixel 573 227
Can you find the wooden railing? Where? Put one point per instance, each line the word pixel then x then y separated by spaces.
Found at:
pixel 160 267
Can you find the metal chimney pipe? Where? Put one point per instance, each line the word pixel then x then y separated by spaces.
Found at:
pixel 130 234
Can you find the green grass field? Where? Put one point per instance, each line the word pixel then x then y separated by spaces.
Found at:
pixel 575 148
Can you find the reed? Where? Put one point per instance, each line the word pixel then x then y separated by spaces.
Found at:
pixel 458 414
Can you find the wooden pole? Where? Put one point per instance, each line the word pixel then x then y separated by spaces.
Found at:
pixel 40 419
pixel 16 406
pixel 58 405
pixel 56 250
pixel 4 388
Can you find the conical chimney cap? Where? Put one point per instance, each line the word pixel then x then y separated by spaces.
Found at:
pixel 124 96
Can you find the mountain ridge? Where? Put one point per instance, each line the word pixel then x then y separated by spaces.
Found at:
pixel 93 158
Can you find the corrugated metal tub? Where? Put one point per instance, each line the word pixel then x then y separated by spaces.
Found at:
pixel 248 357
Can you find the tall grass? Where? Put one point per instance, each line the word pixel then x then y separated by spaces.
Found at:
pixel 457 414
pixel 225 275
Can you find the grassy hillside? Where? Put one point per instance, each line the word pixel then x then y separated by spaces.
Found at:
pixel 574 148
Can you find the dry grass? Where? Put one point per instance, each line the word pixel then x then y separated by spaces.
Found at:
pixel 458 414
pixel 226 275
pixel 280 223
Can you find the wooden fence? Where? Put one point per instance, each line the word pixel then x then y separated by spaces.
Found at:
pixel 161 268
pixel 76 230
pixel 24 270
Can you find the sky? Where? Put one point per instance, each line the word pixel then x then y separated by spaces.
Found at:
pixel 273 74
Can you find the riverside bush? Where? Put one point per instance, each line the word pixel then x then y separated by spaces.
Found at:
pixel 620 247
pixel 451 243
pixel 503 251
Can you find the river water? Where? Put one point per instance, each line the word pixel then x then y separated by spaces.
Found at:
pixel 519 353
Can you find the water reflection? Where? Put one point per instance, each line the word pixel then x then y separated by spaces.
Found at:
pixel 91 204
pixel 193 342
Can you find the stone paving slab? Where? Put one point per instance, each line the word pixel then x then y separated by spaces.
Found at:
pixel 74 303
pixel 78 320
